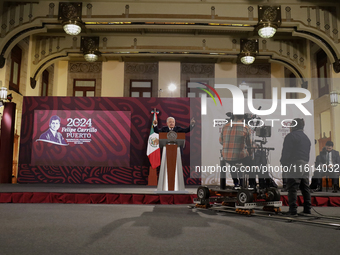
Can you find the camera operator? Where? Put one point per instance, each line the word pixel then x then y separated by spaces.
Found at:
pixel 295 154
pixel 236 142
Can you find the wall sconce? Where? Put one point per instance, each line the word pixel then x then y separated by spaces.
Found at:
pixel 90 47
pixel 172 87
pixel 70 16
pixel 3 94
pixel 334 96
pixel 243 86
pixel 269 20
pixel 249 49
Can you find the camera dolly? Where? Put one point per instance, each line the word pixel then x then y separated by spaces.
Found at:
pixel 243 200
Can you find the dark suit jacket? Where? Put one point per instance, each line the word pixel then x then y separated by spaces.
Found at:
pixel 48 136
pixel 335 157
pixel 321 159
pixel 176 129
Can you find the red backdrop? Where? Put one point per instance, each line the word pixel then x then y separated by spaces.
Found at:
pixel 116 153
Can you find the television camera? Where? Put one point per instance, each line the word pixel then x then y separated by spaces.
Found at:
pixel 245 199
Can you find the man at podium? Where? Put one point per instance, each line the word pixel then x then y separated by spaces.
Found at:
pixel 170 126
pixel 171 171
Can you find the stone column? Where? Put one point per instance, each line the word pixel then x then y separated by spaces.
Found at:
pixel 335 112
pixel 60 78
pixel 113 79
pixel 7 142
pixel 169 73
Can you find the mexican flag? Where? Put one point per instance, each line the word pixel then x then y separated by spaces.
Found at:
pixel 153 151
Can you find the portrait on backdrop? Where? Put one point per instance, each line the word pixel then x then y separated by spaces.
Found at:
pixel 52 135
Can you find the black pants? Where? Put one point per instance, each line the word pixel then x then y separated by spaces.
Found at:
pixel 293 184
pixel 247 161
pixel 335 179
pixel 284 180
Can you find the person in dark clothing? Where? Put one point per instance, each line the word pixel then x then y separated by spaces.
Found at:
pixel 295 155
pixel 171 126
pixel 330 158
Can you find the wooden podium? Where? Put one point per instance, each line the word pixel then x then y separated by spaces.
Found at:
pixel 171 171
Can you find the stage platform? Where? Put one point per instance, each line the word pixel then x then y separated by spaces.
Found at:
pixel 122 194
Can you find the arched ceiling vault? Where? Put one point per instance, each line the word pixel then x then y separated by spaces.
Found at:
pixel 163 30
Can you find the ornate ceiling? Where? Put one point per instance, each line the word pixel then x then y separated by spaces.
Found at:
pixel 176 30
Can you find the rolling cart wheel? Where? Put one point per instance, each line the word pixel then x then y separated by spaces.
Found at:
pixel 273 194
pixel 244 196
pixel 277 210
pixel 203 192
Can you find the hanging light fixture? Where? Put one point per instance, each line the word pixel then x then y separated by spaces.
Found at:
pixel 91 57
pixel 267 30
pixel 334 97
pixel 72 28
pixel 70 15
pixel 249 49
pixel 90 48
pixel 269 20
pixel 247 59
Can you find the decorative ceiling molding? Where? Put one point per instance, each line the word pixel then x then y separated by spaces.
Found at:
pixel 252 70
pixel 85 67
pixel 109 19
pixel 194 68
pixel 141 68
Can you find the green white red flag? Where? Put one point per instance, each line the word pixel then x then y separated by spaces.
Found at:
pixel 153 151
